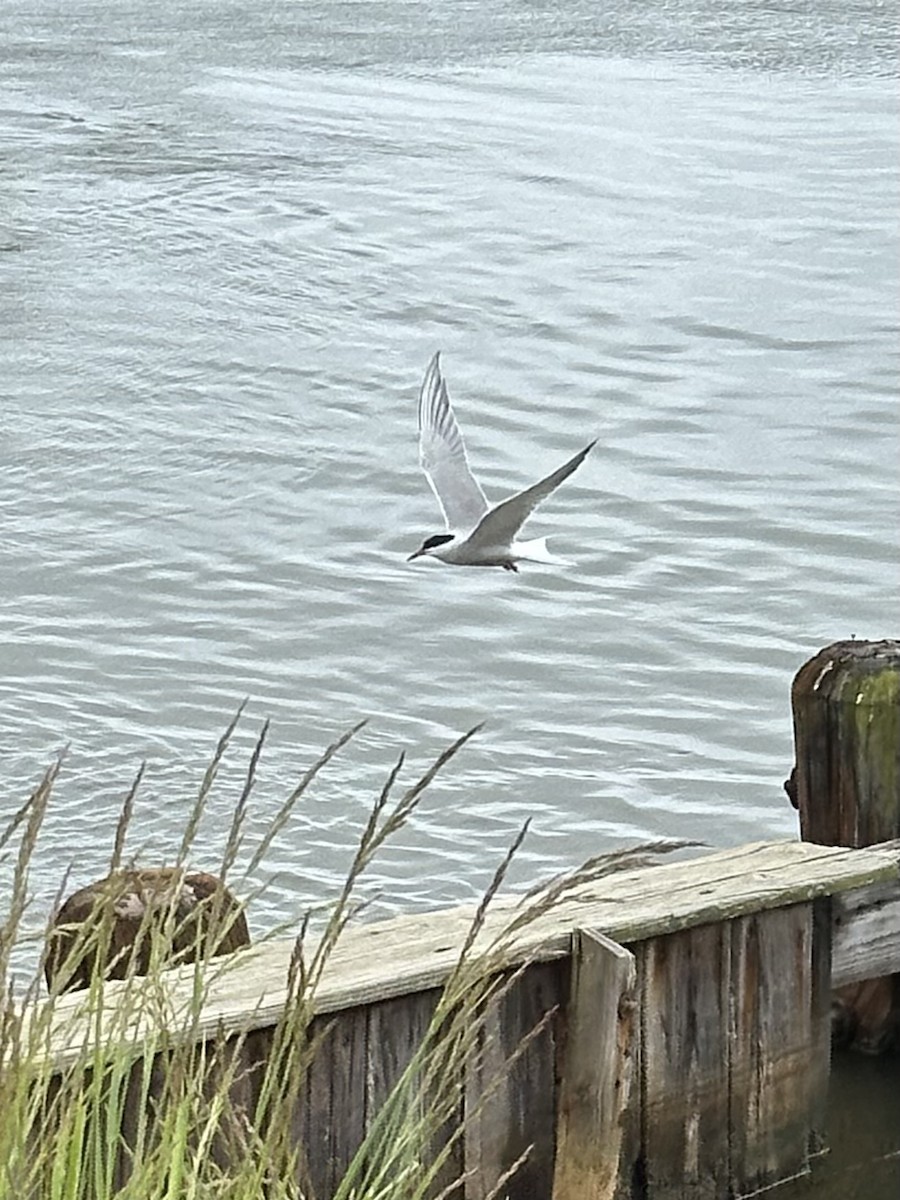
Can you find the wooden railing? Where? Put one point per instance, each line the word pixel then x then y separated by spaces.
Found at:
pixel 685 1041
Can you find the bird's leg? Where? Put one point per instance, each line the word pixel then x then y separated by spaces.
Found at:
pixel 510 566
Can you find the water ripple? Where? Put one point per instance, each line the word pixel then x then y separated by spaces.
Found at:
pixel 233 257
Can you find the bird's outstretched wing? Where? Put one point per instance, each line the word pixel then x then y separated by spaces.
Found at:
pixel 499 526
pixel 442 453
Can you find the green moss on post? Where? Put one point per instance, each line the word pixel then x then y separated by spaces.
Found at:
pixel 846 784
pixel 846 705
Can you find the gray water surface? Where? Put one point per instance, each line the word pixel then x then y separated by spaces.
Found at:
pixel 232 236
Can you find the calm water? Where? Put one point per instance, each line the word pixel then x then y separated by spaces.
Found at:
pixel 233 234
pixel 232 237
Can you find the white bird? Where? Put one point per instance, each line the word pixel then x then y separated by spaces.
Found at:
pixel 477 534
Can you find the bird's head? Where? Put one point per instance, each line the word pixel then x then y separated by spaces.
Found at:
pixel 431 545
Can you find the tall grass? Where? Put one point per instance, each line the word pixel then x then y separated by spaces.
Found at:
pixel 109 1093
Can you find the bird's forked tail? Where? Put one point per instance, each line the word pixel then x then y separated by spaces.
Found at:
pixel 536 551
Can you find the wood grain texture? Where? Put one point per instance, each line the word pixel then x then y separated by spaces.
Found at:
pixel 866 934
pixel 631 1182
pixel 846 781
pixel 730 1044
pixel 734 1056
pixel 397 1030
pixel 511 1105
pixel 330 1118
pixel 775 1041
pixel 686 1064
pixel 818 1068
pixel 152 1085
pixel 866 966
pixel 596 1068
pixel 846 708
pixel 416 952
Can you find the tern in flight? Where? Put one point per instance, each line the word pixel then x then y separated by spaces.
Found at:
pixel 477 535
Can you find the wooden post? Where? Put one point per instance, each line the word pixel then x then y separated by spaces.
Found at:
pixel 597 1073
pixel 118 924
pixel 846 785
pixel 846 705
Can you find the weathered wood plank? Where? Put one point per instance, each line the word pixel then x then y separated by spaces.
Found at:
pixel 330 1119
pixel 675 913
pixel 866 969
pixel 631 1182
pixel 397 1030
pixel 685 1082
pixel 416 952
pixel 511 1106
pixel 596 1068
pixel 775 1044
pixel 818 1070
pixel 866 935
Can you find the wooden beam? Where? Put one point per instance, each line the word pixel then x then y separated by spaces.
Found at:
pixel 596 1070
pixel 416 952
pixel 866 935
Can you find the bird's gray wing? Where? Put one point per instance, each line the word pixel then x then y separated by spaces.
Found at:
pixel 499 526
pixel 442 453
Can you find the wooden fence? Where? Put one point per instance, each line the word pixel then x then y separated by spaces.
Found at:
pixel 684 1050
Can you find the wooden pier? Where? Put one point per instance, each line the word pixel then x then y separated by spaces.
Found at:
pixel 676 1022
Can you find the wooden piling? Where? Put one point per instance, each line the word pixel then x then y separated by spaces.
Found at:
pixel 137 915
pixel 130 923
pixel 846 708
pixel 846 785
